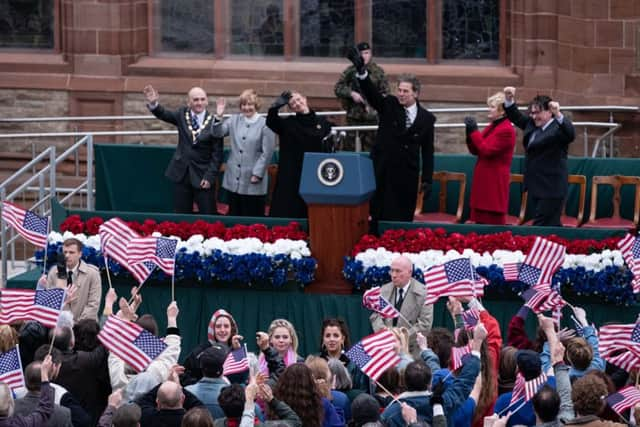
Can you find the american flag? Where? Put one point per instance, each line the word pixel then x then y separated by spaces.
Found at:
pixel 542 261
pixel 630 247
pixel 159 250
pixel 130 342
pixel 542 298
pixel 11 369
pixel 456 355
pixel 624 399
pixel 526 389
pixel 372 300
pixel 455 278
pixel 620 345
pixel 236 362
pixel 27 304
pixel 510 271
pixel 375 353
pixel 32 227
pixel 115 235
pixel 470 318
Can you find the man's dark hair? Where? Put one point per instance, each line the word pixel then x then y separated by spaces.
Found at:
pixel 417 376
pixel 148 323
pixel 231 400
pixel 73 241
pixel 540 101
pixel 63 337
pixel 441 341
pixel 411 79
pixel 32 376
pixel 546 403
pixel 86 332
pixel 43 350
pixel 127 415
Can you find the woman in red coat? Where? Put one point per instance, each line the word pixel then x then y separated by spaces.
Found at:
pixel 494 148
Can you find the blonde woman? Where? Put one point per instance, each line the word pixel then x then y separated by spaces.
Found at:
pixel 494 148
pixel 282 343
pixel 252 144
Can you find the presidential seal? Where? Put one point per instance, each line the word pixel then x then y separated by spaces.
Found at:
pixel 330 172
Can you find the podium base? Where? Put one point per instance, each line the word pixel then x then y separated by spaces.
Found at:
pixel 334 230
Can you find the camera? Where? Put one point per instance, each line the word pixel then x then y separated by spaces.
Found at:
pixel 61 263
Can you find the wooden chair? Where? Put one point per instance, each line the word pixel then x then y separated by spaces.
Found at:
pixel 443 178
pixel 576 221
pixel 615 221
pixel 518 178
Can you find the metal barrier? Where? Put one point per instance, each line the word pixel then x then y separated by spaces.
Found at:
pixel 8 238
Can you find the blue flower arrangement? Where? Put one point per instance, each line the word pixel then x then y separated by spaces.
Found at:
pixel 611 284
pixel 250 269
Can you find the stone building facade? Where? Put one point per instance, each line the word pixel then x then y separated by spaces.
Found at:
pixel 100 54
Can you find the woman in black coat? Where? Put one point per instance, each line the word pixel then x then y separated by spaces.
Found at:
pixel 299 134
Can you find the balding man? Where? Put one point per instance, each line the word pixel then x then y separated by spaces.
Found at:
pixel 166 404
pixel 408 296
pixel 195 164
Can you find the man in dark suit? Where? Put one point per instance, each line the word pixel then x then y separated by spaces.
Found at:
pixel 405 138
pixel 547 135
pixel 195 165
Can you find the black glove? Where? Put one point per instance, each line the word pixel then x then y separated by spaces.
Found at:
pixel 356 59
pixel 282 100
pixel 470 124
pixel 436 393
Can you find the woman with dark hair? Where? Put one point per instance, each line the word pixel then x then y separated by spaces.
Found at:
pixel 85 333
pixel 334 341
pixel 297 388
pixel 302 133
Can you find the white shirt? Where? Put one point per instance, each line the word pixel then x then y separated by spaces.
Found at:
pixel 412 112
pixel 405 289
pixel 199 117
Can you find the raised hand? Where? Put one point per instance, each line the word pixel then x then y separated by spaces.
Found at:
pixel 150 94
pixel 220 104
pixel 282 100
pixel 554 107
pixel 509 93
pixel 471 125
pixel 356 59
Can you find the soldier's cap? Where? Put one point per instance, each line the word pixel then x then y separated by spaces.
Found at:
pixel 363 46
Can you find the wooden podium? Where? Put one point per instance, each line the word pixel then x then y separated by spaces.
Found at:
pixel 337 188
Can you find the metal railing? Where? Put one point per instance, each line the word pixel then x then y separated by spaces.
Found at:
pixel 26 176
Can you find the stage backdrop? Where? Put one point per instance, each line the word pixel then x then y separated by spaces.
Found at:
pixel 131 178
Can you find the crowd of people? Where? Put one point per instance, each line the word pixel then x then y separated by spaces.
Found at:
pixel 402 152
pixel 469 376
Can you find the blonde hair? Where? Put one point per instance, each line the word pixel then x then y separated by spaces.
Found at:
pixel 8 338
pixel 321 373
pixel 402 334
pixel 496 100
pixel 250 96
pixel 284 323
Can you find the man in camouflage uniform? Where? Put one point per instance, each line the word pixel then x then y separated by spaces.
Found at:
pixel 359 113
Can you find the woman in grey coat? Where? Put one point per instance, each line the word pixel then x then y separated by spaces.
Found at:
pixel 252 145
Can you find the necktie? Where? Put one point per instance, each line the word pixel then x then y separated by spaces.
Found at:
pixel 407 118
pixel 194 122
pixel 69 278
pixel 398 306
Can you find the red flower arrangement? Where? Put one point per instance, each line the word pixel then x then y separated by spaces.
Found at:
pixel 184 229
pixel 422 239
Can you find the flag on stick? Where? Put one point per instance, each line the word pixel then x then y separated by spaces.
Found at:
pixel 43 305
pixel 630 247
pixel 130 342
pixel 115 235
pixel 373 300
pixel 236 362
pixel 542 261
pixel 375 353
pixel 159 250
pixel 29 225
pixel 624 399
pixel 11 369
pixel 453 278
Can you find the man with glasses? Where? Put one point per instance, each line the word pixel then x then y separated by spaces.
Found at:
pixel 547 135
